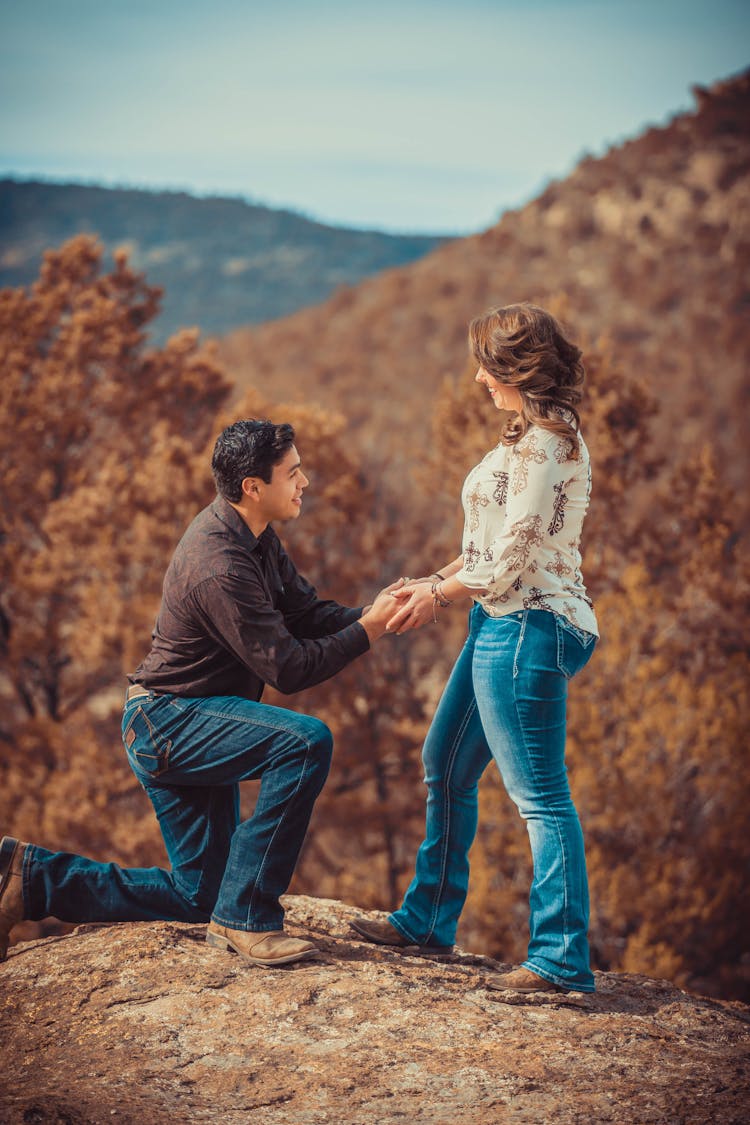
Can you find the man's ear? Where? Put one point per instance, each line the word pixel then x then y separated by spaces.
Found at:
pixel 250 488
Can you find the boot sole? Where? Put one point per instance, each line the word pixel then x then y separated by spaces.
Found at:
pixel 218 942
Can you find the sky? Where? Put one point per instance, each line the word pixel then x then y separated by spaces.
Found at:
pixel 411 116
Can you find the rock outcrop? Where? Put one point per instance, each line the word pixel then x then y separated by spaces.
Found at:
pixel 145 1024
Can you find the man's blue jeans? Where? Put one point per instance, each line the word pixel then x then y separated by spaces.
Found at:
pixel 506 699
pixel 189 755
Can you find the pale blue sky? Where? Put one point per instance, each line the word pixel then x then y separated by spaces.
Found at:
pixel 410 115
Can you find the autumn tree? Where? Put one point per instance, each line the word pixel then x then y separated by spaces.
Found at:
pixel 98 450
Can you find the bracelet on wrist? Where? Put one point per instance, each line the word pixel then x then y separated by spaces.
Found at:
pixel 438 599
pixel 441 598
pixel 438 575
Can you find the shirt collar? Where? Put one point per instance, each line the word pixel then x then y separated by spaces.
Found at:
pixel 228 515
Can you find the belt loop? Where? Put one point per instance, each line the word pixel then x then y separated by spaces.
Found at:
pixel 135 691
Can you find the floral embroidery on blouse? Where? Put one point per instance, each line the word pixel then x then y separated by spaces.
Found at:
pixel 558 565
pixel 527 533
pixel 477 500
pixel 562 450
pixel 471 554
pixel 525 451
pixel 558 509
pixel 500 495
pixel 536 599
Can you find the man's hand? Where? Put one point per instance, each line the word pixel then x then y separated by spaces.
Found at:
pixel 375 616
pixel 388 590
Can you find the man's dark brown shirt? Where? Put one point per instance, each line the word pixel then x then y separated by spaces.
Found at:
pixel 235 615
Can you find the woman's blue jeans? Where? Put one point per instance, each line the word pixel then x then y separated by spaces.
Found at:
pixel 506 699
pixel 189 755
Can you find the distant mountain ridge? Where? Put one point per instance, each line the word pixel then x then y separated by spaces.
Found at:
pixel 647 247
pixel 222 262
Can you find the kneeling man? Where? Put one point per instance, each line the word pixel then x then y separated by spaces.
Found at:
pixel 235 615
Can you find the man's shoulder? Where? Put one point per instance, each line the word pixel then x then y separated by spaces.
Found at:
pixel 211 548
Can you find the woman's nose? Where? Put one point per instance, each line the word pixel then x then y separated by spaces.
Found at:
pixel 478 376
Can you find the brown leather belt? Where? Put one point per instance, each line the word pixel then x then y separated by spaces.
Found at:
pixel 135 691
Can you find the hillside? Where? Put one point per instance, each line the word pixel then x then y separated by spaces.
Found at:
pixel 145 1023
pixel 647 247
pixel 222 262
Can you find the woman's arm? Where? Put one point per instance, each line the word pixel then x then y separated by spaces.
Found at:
pixel 423 600
pixel 442 572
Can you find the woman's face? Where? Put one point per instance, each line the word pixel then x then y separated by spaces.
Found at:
pixel 503 396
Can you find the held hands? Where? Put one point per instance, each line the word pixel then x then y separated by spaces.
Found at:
pixel 375 617
pixel 416 606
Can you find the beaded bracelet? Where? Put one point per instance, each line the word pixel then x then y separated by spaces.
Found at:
pixel 438 599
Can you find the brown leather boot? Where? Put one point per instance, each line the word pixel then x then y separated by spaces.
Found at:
pixel 383 933
pixel 12 852
pixel 267 948
pixel 522 980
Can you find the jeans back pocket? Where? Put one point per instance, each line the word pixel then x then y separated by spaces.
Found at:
pixel 147 751
pixel 574 646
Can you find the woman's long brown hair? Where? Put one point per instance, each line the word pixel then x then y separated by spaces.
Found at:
pixel 524 347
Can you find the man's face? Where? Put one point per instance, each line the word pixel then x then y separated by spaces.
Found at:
pixel 281 498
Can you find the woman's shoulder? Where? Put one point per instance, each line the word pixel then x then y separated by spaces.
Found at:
pixel 552 444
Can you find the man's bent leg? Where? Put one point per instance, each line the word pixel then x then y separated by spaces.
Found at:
pixel 265 848
pixel 212 742
pixel 219 741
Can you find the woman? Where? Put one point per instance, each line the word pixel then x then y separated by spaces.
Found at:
pixel 532 628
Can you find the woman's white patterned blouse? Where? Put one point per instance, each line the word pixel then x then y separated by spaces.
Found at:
pixel 524 506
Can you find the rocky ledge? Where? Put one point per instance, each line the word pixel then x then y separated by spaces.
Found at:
pixel 145 1024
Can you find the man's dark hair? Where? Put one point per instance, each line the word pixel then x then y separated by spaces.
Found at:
pixel 249 448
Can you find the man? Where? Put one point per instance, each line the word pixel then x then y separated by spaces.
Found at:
pixel 235 615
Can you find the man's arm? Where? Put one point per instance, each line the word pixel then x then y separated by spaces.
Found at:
pixel 236 611
pixel 306 614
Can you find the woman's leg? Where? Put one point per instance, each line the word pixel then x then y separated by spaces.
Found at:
pixel 455 755
pixel 521 693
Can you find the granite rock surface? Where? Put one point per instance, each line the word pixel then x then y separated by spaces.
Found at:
pixel 145 1023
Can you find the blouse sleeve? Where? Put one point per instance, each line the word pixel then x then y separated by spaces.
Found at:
pixel 536 500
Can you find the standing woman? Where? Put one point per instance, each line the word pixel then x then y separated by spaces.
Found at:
pixel 532 628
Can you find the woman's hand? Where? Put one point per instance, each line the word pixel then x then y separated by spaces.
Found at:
pixel 416 606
